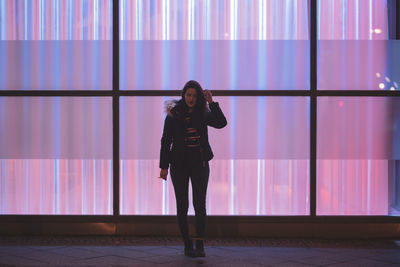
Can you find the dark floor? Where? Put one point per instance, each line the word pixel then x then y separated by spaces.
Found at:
pixel 153 251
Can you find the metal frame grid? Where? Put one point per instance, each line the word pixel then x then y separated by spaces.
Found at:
pixel 115 93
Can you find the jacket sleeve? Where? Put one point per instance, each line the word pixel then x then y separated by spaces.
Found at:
pixel 216 117
pixel 166 141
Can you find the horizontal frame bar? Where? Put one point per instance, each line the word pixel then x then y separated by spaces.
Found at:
pixel 228 218
pixel 111 93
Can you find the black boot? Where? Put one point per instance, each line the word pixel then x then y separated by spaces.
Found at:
pixel 189 251
pixel 200 248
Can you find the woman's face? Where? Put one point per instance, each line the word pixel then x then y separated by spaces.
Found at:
pixel 191 97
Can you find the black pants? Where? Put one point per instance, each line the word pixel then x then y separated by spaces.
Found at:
pixel 194 170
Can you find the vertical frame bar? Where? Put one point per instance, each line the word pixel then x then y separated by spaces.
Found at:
pixel 313 107
pixel 393 19
pixel 397 20
pixel 115 105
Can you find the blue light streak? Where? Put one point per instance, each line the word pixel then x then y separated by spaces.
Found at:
pixel 3 20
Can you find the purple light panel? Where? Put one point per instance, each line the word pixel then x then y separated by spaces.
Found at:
pixel 352 20
pixel 229 45
pixel 55 45
pixel 56 20
pixel 214 20
pixel 354 52
pixel 56 65
pixel 55 155
pixel 260 172
pixel 358 151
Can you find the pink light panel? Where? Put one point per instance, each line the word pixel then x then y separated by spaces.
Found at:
pixel 358 142
pixel 74 51
pixel 56 186
pixel 226 45
pixel 354 52
pixel 214 20
pixel 56 20
pixel 56 65
pixel 260 172
pixel 352 20
pixel 55 155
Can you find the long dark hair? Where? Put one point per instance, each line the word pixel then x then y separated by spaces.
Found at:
pixel 200 106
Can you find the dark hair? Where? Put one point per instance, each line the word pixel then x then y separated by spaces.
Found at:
pixel 201 100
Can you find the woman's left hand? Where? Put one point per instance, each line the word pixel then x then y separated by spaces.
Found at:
pixel 208 96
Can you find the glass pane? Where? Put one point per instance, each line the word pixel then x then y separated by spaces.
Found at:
pixel 358 156
pixel 264 171
pixel 56 45
pixel 355 46
pixel 55 155
pixel 229 45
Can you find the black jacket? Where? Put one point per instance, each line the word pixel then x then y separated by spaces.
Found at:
pixel 174 133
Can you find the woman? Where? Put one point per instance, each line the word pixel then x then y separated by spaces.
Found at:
pixel 185 127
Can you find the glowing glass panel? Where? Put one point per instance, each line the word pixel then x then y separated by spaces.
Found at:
pixel 354 52
pixel 225 45
pixel 55 155
pixel 56 20
pixel 352 19
pixel 358 156
pixel 261 163
pixel 55 45
pixel 214 20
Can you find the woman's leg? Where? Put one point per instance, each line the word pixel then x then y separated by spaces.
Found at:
pixel 199 179
pixel 180 181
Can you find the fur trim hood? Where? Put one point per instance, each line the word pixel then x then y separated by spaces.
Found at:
pixel 172 103
pixel 169 105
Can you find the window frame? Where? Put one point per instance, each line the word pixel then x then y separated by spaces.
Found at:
pixel 116 93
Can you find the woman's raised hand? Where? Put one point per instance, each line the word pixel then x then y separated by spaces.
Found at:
pixel 208 96
pixel 163 174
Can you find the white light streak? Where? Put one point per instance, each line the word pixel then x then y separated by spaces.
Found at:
pixel 260 18
pixel 232 187
pixel 370 18
pixel 121 12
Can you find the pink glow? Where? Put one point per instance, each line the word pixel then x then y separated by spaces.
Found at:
pixel 259 172
pixel 353 65
pixel 213 20
pixel 55 128
pixel 56 65
pixel 55 155
pixel 352 20
pixel 236 187
pixel 54 186
pixel 220 65
pixel 352 187
pixel 356 145
pixel 56 20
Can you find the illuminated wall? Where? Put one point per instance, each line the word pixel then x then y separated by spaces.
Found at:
pixel 55 45
pixel 227 45
pixel 56 152
pixel 357 137
pixel 56 20
pixel 261 163
pixel 354 52
pixel 358 146
pixel 55 155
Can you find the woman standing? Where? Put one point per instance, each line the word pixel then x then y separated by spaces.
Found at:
pixel 185 127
